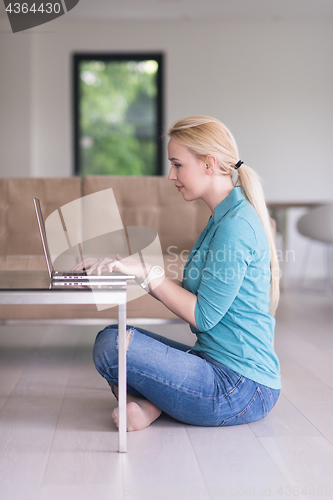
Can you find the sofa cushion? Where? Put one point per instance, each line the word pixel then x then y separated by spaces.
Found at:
pixel 22 262
pixel 19 233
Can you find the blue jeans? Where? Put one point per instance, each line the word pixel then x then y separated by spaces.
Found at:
pixel 189 386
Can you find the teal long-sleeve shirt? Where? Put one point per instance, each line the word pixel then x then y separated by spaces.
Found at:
pixel 228 270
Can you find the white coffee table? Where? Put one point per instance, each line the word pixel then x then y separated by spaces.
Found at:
pixel 33 287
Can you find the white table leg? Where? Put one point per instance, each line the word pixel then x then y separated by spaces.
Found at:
pixel 280 216
pixel 122 379
pixel 284 227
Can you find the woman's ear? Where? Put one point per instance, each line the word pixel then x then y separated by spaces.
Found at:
pixel 210 164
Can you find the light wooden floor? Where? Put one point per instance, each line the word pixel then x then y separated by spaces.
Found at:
pixel 57 439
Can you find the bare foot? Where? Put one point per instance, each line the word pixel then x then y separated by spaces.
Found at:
pixel 140 414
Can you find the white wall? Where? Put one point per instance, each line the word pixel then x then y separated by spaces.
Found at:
pixel 15 102
pixel 269 81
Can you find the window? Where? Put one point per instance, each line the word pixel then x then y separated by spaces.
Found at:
pixel 118 114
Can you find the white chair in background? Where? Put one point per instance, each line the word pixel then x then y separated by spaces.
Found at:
pixel 317 224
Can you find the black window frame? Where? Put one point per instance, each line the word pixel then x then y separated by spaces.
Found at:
pixel 119 56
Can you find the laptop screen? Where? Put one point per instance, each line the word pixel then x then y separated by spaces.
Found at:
pixel 42 231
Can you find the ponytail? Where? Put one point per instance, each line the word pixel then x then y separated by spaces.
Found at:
pixel 253 192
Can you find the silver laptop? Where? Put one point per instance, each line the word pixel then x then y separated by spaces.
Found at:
pixel 85 283
pixel 70 275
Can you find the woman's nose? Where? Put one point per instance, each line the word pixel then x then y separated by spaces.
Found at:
pixel 172 174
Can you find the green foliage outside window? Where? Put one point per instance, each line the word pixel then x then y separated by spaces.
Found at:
pixel 118 117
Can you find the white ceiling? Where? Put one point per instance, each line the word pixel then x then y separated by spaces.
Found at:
pixel 202 9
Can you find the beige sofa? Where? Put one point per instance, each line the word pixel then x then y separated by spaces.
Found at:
pixel 142 201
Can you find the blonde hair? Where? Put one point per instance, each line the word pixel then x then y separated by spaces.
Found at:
pixel 203 136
